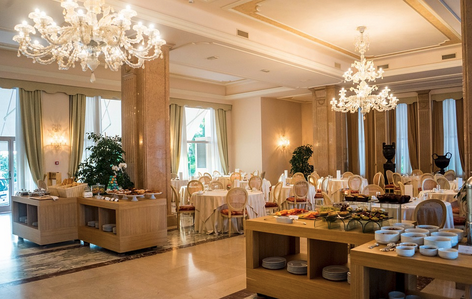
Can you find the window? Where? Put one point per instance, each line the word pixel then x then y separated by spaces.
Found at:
pixel 402 154
pixel 450 136
pixel 102 116
pixel 200 143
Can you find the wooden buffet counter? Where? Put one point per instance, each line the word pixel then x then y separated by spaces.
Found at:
pixel 139 224
pixel 265 238
pixel 370 267
pixel 44 221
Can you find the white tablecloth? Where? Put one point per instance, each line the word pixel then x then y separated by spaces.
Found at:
pixel 224 180
pixel 177 184
pixel 208 205
pixel 408 211
pixel 444 195
pixel 413 180
pixel 266 189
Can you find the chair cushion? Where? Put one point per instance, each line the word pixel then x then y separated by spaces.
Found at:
pixel 459 220
pixel 318 195
pixel 226 212
pixel 390 186
pixel 292 199
pixel 186 208
pixel 456 210
pixel 270 204
pixel 354 191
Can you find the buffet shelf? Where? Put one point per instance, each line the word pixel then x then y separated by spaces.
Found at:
pixel 138 225
pixel 265 238
pixel 371 268
pixel 47 221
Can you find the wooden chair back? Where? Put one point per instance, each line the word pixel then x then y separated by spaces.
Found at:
pixel 235 176
pixel 372 189
pixel 214 185
pixel 443 183
pixel 194 186
pixel 416 172
pixel 205 180
pixel 431 212
pixel 429 184
pixel 355 182
pixel 450 175
pixel 298 176
pixel 396 177
pixel 425 176
pixel 389 175
pixel 255 182
pixel 379 180
pixel 347 175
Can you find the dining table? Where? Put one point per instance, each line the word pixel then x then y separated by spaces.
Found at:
pixel 177 184
pixel 287 191
pixel 408 211
pixel 444 195
pixel 208 205
pixel 337 184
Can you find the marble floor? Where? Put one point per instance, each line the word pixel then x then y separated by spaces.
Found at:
pixel 189 266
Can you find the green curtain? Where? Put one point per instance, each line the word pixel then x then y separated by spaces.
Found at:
pixel 222 136
pixel 460 129
pixel 353 142
pixel 176 115
pixel 31 122
pixel 369 132
pixel 438 128
pixel 412 112
pixel 77 105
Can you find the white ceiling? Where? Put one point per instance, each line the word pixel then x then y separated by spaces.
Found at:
pixel 292 45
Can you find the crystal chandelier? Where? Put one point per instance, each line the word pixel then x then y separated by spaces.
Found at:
pixel 363 98
pixel 92 36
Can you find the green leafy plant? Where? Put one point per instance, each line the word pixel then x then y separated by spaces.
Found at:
pixel 300 158
pixel 106 154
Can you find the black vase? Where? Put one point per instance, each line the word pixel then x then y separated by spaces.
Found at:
pixel 389 153
pixel 442 161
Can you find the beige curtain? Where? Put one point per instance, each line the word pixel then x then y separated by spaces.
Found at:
pixel 391 126
pixel 176 115
pixel 413 134
pixel 460 129
pixel 438 128
pixel 31 122
pixel 353 142
pixel 369 131
pixel 222 137
pixel 76 131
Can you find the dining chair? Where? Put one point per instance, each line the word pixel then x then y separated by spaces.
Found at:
pixel 431 212
pixel 236 202
pixel 255 182
pixel 300 193
pixel 272 205
pixel 326 199
pixel 255 173
pixel 208 175
pixel 416 172
pixel 194 186
pixel 216 173
pixel 450 175
pixel 396 177
pixel 372 189
pixel 312 180
pixel 443 183
pixel 325 184
pixel 316 176
pixel 425 176
pixel 205 179
pixel 199 174
pixel 347 175
pixel 389 175
pixel 235 176
pixel 181 207
pixel 429 184
pixel 215 185
pixel 401 188
pixel 354 183
pixel 379 180
pixel 298 176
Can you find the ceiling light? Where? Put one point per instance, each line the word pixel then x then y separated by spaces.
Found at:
pixel 265 71
pixel 92 36
pixel 363 99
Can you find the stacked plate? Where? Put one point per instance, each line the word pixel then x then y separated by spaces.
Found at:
pixel 108 227
pixel 274 263
pixel 335 273
pixel 297 267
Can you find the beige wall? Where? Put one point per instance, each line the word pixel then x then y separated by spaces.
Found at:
pixel 55 112
pixel 246 119
pixel 279 118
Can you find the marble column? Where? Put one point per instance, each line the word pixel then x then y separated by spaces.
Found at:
pixel 329 133
pixel 466 23
pixel 145 124
pixel 425 143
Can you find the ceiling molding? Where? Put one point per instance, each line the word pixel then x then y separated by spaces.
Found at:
pixel 431 17
pixel 423 68
pixel 188 94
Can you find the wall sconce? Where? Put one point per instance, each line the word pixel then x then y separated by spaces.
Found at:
pixel 283 142
pixel 57 140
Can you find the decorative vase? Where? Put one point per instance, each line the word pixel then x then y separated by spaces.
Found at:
pixel 442 161
pixel 388 151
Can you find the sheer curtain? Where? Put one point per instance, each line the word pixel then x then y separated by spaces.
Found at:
pixel 175 136
pixel 360 120
pixel 402 154
pixel 183 163
pixel 92 122
pixel 215 161
pixel 450 136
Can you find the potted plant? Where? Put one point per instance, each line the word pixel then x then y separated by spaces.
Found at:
pixel 105 160
pixel 300 158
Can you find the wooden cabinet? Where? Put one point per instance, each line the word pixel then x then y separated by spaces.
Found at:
pixel 139 225
pixel 44 221
pixel 374 273
pixel 265 237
